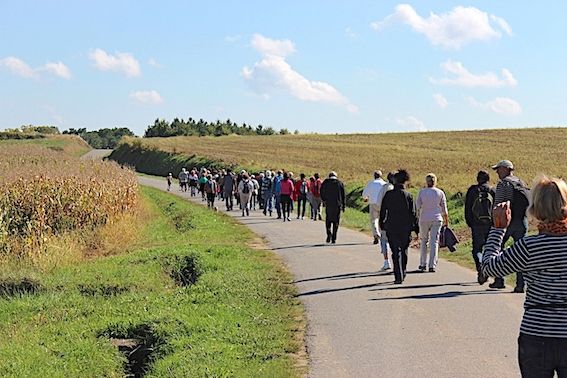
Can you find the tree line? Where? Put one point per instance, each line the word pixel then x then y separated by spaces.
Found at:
pixel 191 127
pixel 103 138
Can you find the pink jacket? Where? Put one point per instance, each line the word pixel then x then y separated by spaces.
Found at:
pixel 287 187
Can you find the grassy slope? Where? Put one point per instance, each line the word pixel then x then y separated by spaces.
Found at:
pixel 70 144
pixel 239 319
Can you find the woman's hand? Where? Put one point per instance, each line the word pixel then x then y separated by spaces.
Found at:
pixel 502 215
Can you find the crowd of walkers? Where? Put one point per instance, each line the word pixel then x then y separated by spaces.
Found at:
pixel 494 215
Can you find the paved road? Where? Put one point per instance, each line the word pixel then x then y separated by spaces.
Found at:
pixel 96 154
pixel 360 325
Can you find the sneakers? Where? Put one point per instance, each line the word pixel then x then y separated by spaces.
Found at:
pixel 421 268
pixel 333 241
pixel 398 282
pixel 518 290
pixel 386 266
pixel 481 278
pixel 376 240
pixel 431 270
pixel 328 239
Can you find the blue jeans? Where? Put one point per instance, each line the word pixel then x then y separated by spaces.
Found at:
pixel 268 202
pixel 542 356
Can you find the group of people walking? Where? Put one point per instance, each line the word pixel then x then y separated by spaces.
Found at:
pixel 269 191
pixel 494 215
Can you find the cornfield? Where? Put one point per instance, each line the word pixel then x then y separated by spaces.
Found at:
pixel 44 193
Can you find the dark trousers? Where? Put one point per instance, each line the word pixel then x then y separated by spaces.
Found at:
pixel 211 199
pixel 229 201
pixel 278 204
pixel 301 200
pixel 332 220
pixel 479 237
pixel 399 244
pixel 286 202
pixel 516 232
pixel 541 357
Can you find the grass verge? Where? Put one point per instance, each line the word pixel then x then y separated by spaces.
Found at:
pixel 235 316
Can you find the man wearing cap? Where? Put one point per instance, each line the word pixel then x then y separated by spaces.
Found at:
pixel 333 197
pixel 373 194
pixel 518 227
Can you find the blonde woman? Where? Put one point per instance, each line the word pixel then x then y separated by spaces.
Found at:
pixel 432 205
pixel 543 260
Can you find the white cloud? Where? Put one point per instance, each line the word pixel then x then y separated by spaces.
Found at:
pixel 21 68
pixel 440 100
pixel 463 77
pixel 500 105
pixel 147 97
pixel 350 33
pixel 268 46
pixel 120 62
pixel 411 122
pixel 451 30
pixel 57 69
pixel 18 67
pixel 274 72
pixel 154 63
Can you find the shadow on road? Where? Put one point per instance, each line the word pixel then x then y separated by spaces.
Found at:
pixel 448 294
pixel 317 245
pixel 428 286
pixel 326 291
pixel 346 276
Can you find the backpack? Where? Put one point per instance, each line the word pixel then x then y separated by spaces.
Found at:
pixel 210 187
pixel 482 207
pixel 246 187
pixel 520 200
pixel 303 188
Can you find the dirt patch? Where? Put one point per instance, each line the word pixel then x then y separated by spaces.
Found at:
pixel 105 291
pixel 10 288
pixel 138 345
pixel 185 270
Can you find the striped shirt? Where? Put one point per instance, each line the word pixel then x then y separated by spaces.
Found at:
pixel 543 260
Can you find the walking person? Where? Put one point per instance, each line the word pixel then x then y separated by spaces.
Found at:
pixel 245 188
pixel 372 194
pixel 267 192
pixel 202 181
pixel 316 193
pixel 398 217
pixel 277 193
pixel 301 190
pixel 169 181
pixel 310 197
pixel 479 202
pixel 542 258
pixel 432 205
pixel 228 189
pixel 193 182
pixel 511 188
pixel 211 191
pixel 254 192
pixel 334 200
pixel 286 194
pixel 183 178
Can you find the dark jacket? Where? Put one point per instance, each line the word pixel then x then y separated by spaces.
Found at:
pixel 472 194
pixel 333 194
pixel 447 238
pixel 398 213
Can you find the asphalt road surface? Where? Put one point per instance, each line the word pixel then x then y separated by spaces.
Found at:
pixel 439 324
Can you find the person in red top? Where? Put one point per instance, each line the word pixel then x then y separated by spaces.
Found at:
pixel 315 190
pixel 301 190
pixel 287 192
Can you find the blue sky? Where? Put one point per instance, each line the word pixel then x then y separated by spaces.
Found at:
pixel 317 66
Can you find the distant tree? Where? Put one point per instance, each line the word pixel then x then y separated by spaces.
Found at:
pixel 284 131
pixel 39 129
pixel 103 138
pixel 296 132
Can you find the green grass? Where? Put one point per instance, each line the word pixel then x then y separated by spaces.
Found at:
pixel 239 319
